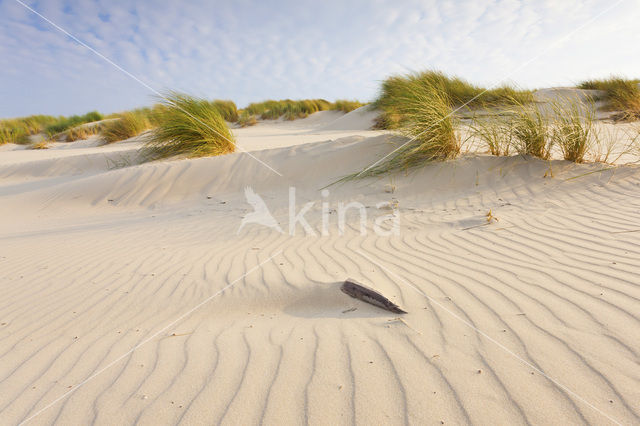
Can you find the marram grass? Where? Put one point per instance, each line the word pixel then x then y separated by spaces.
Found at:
pixel 82 132
pixel 621 95
pixel 573 128
pixel 75 120
pixel 428 122
pixel 528 129
pixel 287 108
pixel 18 130
pixel 188 126
pixel 346 105
pixel 245 119
pixel 128 125
pixel 495 131
pixel 531 131
pixel 461 94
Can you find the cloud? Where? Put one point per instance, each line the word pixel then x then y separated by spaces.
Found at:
pixel 249 51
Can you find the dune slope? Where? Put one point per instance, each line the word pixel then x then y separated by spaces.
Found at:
pixel 129 296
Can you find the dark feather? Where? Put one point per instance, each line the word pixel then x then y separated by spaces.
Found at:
pixel 359 291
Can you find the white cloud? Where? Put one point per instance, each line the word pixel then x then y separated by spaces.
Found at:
pixel 248 51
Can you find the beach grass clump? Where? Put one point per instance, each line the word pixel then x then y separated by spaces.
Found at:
pixel 345 105
pixel 128 125
pixel 83 132
pixel 573 128
pixel 40 145
pixel 227 109
pixel 188 126
pixel 429 123
pixel 495 131
pixel 18 130
pixel 245 119
pixel 460 93
pixel 13 133
pixel 621 94
pixel 65 123
pixel 287 108
pixel 531 131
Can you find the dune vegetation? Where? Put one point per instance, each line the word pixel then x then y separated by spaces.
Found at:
pixel 188 126
pixel 460 93
pixel 496 132
pixel 429 123
pixel 18 130
pixel 246 119
pixel 290 110
pixel 11 133
pixel 127 125
pixel 40 145
pixel 131 123
pixel 82 132
pixel 422 107
pixel 65 123
pixel 345 105
pixel 287 108
pixel 529 130
pixel 574 129
pixel 621 95
pixel 227 109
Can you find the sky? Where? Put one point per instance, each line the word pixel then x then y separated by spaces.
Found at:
pixel 250 51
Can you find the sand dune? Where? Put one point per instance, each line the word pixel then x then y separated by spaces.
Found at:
pixel 130 297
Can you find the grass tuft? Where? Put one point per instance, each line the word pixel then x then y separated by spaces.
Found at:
pixel 346 105
pixel 531 131
pixel 494 131
pixel 428 122
pixel 458 91
pixel 190 127
pixel 290 110
pixel 573 128
pixel 18 130
pixel 128 125
pixel 621 95
pixel 40 145
pixel 227 110
pixel 82 132
pixel 75 120
pixel 245 119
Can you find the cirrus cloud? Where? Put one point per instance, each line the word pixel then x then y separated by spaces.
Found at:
pixel 249 50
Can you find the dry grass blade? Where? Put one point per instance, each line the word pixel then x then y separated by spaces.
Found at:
pixel 40 145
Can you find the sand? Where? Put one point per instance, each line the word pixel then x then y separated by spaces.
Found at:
pixel 128 296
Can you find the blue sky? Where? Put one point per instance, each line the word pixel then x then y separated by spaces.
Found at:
pixel 254 50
